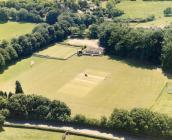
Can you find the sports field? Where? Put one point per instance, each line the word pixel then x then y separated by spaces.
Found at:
pixel 93 86
pixel 10 30
pixel 59 51
pixel 29 134
pixel 164 100
pixel 142 9
pixel 84 82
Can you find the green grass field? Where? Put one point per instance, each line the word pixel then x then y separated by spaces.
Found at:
pixel 110 83
pixel 141 9
pixel 164 101
pixel 10 30
pixel 59 51
pixel 29 134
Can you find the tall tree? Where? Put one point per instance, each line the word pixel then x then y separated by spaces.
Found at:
pixel 2 61
pixel 51 17
pixel 19 89
pixel 3 15
pixel 166 56
pixel 2 119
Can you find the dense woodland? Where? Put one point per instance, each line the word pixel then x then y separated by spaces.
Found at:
pixel 139 44
pixel 59 20
pixel 145 45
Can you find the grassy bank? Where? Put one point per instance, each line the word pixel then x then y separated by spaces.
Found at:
pixel 10 30
pixel 30 134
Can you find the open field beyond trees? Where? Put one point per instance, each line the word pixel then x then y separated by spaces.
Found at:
pixel 143 9
pixel 111 83
pixel 10 30
pixel 29 134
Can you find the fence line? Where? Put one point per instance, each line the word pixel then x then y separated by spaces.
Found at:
pixel 159 95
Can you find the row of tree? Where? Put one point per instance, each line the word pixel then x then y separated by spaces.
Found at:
pixel 21 15
pixel 135 20
pixel 147 45
pixel 137 121
pixel 38 108
pixel 140 121
pixel 42 36
pixel 32 107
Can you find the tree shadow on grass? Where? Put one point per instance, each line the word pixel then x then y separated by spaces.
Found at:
pixel 134 63
pixel 3 22
pixel 2 70
pixel 168 75
pixel 140 64
pixel 2 129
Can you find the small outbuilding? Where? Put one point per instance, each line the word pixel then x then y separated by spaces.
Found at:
pixel 92 51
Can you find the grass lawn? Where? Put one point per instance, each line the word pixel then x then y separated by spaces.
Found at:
pixel 10 30
pixel 141 9
pixel 164 102
pixel 59 51
pixel 161 22
pixel 110 84
pixel 29 134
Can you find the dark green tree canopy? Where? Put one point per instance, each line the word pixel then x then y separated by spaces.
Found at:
pixel 18 89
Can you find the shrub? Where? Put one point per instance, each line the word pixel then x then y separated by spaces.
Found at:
pixel 168 12
pixel 104 122
pixel 93 32
pixel 79 119
pixel 83 121
pixel 58 111
pixel 135 20
pixel 5 113
pixel 121 120
pixel 3 103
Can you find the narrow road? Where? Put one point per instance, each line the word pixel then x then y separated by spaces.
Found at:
pixel 72 130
